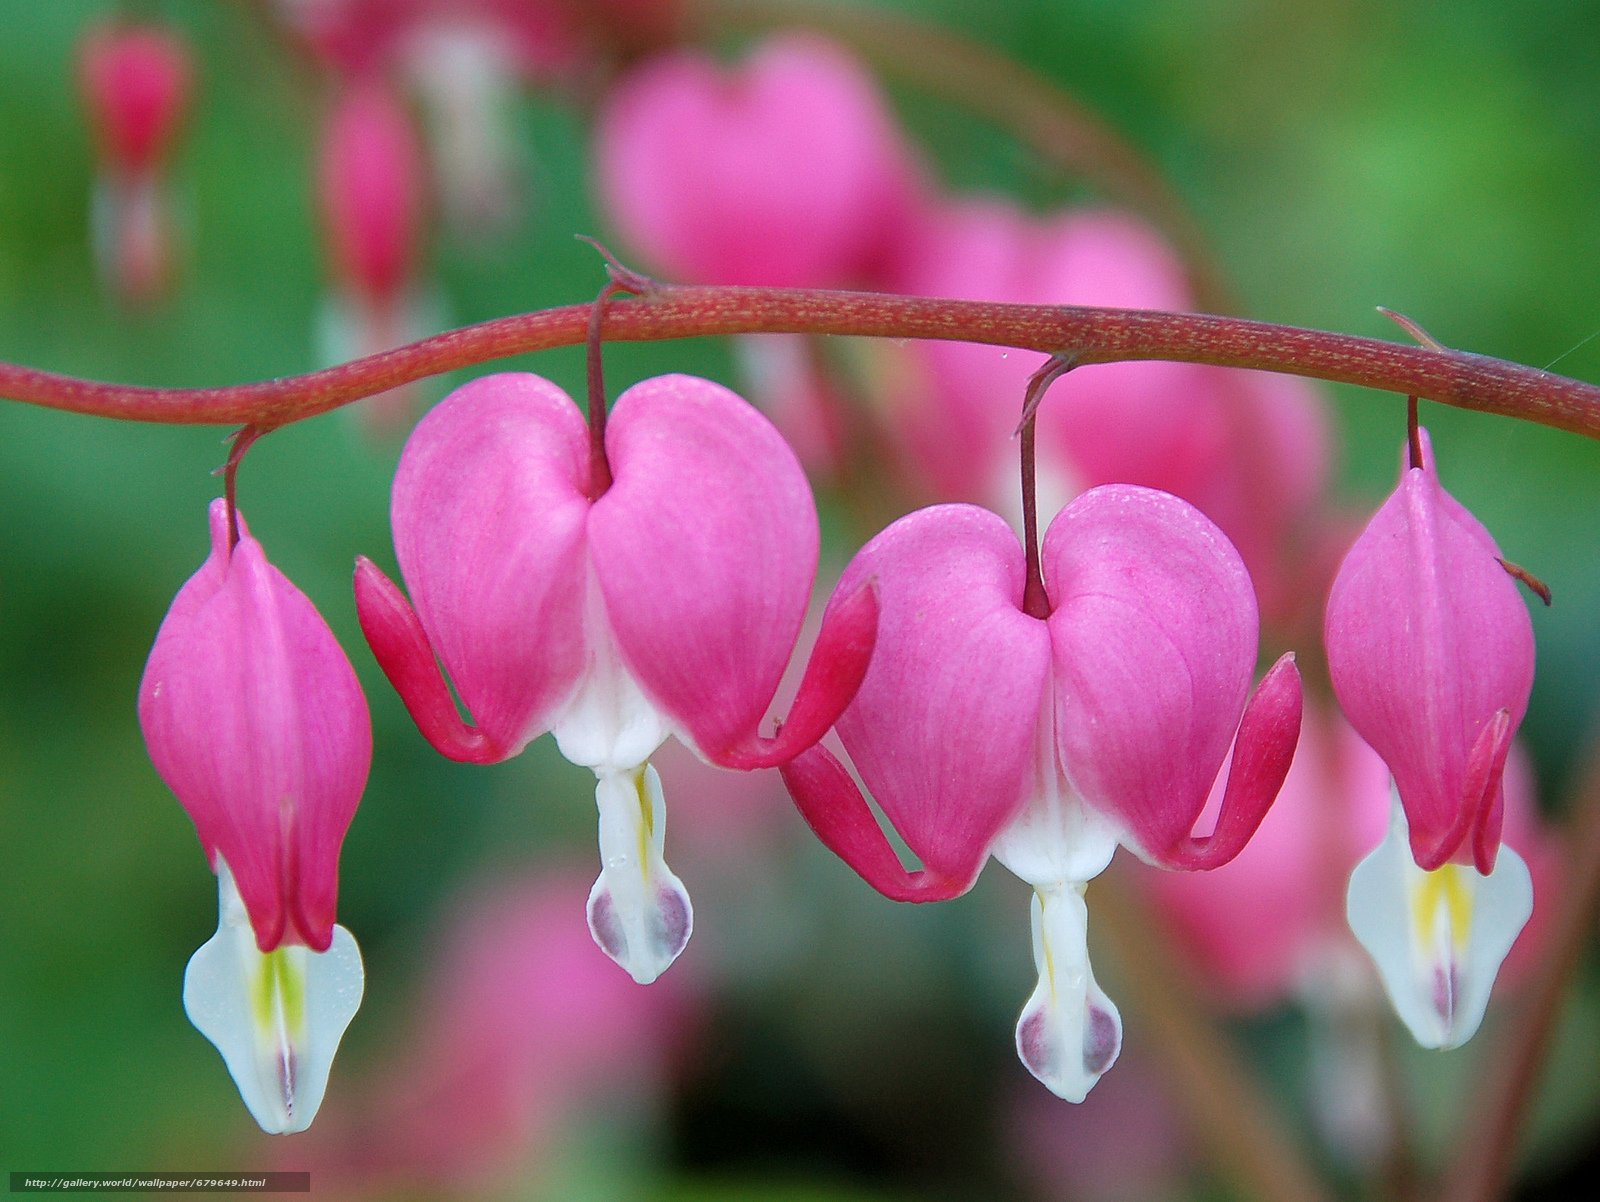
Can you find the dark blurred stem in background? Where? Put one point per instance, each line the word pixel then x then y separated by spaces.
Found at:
pixel 1232 1119
pixel 1484 1155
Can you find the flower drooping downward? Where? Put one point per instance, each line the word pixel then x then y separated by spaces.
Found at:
pixel 983 729
pixel 254 719
pixel 665 599
pixel 1430 650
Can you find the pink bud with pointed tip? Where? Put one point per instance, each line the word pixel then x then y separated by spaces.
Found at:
pixel 253 717
pixel 669 603
pixel 786 171
pixel 1430 649
pixel 136 82
pixel 982 730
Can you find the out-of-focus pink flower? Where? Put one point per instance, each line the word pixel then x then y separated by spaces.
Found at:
pixel 982 730
pixel 136 82
pixel 1430 650
pixel 466 60
pixel 1249 450
pixel 1255 927
pixel 613 615
pixel 785 171
pixel 1126 1143
pixel 1157 424
pixel 363 37
pixel 370 195
pixel 254 719
pixel 520 1027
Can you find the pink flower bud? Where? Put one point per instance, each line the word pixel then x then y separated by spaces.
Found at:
pixel 1430 650
pixel 370 193
pixel 254 719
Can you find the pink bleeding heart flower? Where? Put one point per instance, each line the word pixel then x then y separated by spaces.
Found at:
pixel 254 719
pixel 665 603
pixel 370 196
pixel 787 171
pixel 1045 742
pixel 136 80
pixel 1430 650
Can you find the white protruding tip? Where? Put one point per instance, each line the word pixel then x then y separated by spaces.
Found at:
pixel 276 1017
pixel 1070 1032
pixel 1438 938
pixel 639 912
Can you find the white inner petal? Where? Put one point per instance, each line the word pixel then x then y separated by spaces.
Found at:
pixel 1070 1032
pixel 277 1017
pixel 608 725
pixel 1438 938
pixel 639 912
pixel 1057 839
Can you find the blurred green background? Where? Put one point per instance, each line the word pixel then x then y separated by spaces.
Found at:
pixel 1443 161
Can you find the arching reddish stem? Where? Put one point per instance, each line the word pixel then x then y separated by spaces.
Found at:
pixel 1092 336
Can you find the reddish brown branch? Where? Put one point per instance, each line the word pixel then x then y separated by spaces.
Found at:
pixel 1089 335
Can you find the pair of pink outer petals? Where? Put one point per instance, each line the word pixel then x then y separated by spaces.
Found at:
pixel 697 561
pixel 981 729
pixel 1130 691
pixel 1430 650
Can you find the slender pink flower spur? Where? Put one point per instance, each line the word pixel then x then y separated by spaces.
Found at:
pixel 254 719
pixel 663 599
pixel 1430 650
pixel 1046 741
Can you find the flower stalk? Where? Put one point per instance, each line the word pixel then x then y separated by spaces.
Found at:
pixel 1089 335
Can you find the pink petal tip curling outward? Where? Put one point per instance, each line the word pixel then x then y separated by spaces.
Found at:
pixel 489 513
pixel 943 725
pixel 254 719
pixel 1430 650
pixel 1154 639
pixel 401 648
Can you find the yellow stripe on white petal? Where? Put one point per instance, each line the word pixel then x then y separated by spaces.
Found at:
pixel 277 1017
pixel 1438 938
pixel 639 912
pixel 1070 1032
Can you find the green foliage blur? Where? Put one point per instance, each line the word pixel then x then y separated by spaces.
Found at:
pixel 1443 161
